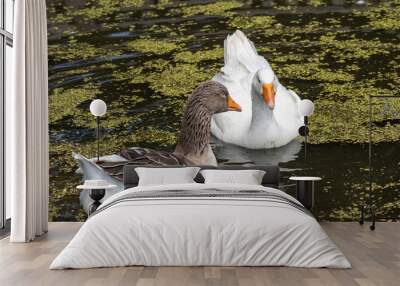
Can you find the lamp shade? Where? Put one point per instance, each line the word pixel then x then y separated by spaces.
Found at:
pixel 98 107
pixel 306 107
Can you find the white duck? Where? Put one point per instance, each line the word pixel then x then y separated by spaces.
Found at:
pixel 270 117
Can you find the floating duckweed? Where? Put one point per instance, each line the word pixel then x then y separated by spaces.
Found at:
pixel 386 24
pixel 161 4
pixel 312 71
pixel 165 79
pixel 153 46
pixel 96 9
pixel 352 68
pixel 65 102
pixel 288 58
pixel 161 29
pixel 120 3
pixel 122 116
pixel 284 7
pixel 65 74
pixel 179 80
pixel 253 22
pixel 59 18
pixel 341 91
pixel 139 74
pixel 394 76
pixel 219 8
pixel 150 14
pixel 296 33
pixel 189 57
pixel 134 74
pixel 316 3
pixel 333 22
pixel 79 51
pixel 385 17
pixel 354 48
pixel 345 109
pixel 267 49
pixel 157 64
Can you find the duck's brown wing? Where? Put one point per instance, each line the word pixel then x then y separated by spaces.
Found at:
pixel 140 157
pixel 144 156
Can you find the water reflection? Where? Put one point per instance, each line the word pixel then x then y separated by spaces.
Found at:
pixel 235 155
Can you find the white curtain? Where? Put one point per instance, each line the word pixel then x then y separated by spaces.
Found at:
pixel 27 124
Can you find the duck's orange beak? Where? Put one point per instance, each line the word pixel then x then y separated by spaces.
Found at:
pixel 269 94
pixel 232 105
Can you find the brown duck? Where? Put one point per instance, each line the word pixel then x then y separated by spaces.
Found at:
pixel 193 147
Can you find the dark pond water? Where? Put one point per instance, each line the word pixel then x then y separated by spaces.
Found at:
pixel 145 57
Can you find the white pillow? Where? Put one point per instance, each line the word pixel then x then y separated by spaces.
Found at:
pixel 248 177
pixel 165 176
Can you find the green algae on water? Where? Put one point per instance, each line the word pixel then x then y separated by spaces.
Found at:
pixel 219 8
pixel 153 46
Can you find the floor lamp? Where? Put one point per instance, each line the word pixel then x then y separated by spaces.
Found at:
pixel 369 205
pixel 306 109
pixel 98 108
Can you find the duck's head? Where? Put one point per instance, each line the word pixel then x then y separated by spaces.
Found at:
pixel 215 97
pixel 266 81
pixel 208 98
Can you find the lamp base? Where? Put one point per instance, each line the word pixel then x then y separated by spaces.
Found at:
pixel 96 195
pixel 371 210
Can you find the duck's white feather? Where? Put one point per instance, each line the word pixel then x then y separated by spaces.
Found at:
pixel 241 56
pixel 256 126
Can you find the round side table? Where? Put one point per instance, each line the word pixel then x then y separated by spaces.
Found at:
pixel 305 187
pixel 97 190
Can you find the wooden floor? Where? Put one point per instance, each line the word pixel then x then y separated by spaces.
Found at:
pixel 375 257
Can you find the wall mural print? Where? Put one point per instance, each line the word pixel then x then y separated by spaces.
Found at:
pixel 172 73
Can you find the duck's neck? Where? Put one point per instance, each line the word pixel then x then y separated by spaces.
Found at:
pixel 260 111
pixel 193 140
